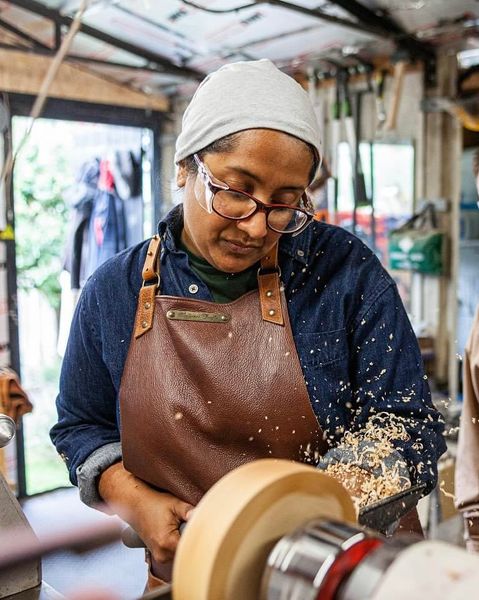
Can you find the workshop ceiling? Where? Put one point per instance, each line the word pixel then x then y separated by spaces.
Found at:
pixel 168 45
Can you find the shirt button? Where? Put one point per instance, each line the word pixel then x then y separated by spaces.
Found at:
pixel 193 288
pixel 300 253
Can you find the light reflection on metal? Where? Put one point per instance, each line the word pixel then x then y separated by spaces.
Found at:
pixel 7 430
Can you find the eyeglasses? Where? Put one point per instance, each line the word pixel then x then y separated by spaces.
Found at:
pixel 237 205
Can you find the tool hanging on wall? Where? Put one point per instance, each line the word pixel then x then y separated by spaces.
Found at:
pixel 335 138
pixel 342 109
pixel 335 133
pixel 398 79
pixel 465 106
pixel 379 90
pixel 361 196
pixel 346 108
pixel 352 123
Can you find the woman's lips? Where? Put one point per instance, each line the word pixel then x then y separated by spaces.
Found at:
pixel 237 248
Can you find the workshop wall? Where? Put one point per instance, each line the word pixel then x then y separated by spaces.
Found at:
pixel 437 141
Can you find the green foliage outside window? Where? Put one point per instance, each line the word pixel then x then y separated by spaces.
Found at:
pixel 40 220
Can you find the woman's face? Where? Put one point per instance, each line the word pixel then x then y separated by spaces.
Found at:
pixel 270 165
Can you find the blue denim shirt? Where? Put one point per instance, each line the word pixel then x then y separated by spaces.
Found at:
pixel 356 347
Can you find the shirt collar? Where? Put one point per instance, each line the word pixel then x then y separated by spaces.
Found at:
pixel 297 247
pixel 169 228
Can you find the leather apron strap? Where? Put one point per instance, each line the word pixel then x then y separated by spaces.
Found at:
pixel 151 280
pixel 268 284
pixel 269 288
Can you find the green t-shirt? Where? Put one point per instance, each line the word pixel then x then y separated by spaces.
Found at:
pixel 224 287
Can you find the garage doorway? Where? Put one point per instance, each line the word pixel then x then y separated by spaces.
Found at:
pixel 53 175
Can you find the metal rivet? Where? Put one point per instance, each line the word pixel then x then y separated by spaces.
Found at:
pixel 269 293
pixel 224 318
pixel 150 253
pixel 170 314
pixel 144 324
pixel 300 253
pixel 271 312
pixel 147 305
pixel 193 288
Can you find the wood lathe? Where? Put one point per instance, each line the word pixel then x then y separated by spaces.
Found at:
pixel 272 530
pixel 278 530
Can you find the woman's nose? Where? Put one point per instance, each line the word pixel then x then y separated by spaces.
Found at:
pixel 255 226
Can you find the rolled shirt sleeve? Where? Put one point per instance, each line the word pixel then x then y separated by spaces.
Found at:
pixel 89 472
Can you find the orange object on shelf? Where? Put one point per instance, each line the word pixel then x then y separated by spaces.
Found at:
pixel 321 215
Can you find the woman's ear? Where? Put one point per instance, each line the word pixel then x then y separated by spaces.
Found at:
pixel 181 175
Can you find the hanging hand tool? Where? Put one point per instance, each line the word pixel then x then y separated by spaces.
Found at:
pixel 335 137
pixel 398 78
pixel 347 111
pixel 380 108
pixel 353 132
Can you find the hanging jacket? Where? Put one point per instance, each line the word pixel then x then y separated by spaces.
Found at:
pixel 79 198
pixel 106 235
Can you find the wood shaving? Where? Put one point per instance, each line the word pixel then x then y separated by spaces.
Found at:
pixel 365 487
pixel 445 492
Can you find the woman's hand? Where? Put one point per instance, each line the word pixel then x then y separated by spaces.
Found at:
pixel 155 516
pixel 157 522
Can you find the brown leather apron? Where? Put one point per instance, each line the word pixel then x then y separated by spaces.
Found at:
pixel 208 387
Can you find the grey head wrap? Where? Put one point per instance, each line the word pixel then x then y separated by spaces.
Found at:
pixel 246 95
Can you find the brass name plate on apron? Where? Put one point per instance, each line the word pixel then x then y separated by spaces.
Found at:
pixel 191 315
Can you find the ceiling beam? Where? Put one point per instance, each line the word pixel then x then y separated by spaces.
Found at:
pixel 368 22
pixel 24 73
pixel 76 58
pixel 324 16
pixel 366 15
pixel 310 12
pixel 22 34
pixel 155 59
pixel 405 40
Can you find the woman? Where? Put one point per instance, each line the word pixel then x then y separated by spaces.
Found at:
pixel 243 330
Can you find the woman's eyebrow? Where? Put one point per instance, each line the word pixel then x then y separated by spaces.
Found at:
pixel 254 177
pixel 243 171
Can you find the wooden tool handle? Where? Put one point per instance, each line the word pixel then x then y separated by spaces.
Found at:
pixel 399 70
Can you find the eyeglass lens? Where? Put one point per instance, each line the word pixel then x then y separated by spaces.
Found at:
pixel 235 205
